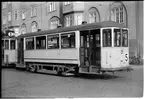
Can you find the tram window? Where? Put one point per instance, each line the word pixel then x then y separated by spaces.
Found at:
pixel 68 40
pixel 6 44
pixel 97 40
pixel 2 43
pixel 88 41
pixel 41 42
pixel 52 41
pixel 12 44
pixel 117 38
pixel 82 41
pixel 30 43
pixel 107 38
pixel 124 38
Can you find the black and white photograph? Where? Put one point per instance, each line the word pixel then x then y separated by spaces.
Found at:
pixel 72 49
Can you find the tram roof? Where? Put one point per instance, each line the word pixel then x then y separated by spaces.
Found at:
pixel 74 28
pixel 8 37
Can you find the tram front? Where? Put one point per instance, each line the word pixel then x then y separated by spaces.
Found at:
pixel 115 50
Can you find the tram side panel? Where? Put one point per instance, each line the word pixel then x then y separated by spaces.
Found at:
pixel 68 56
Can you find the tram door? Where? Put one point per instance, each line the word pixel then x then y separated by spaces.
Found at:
pixel 90 48
pixel 20 51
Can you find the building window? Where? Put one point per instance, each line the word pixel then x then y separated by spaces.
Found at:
pixel 34 27
pixel 51 7
pixel 6 44
pixel 107 38
pixel 9 2
pixel 66 3
pixel 33 11
pixel 23 29
pixel 16 15
pixel 4 20
pixel 124 38
pixel 9 16
pixel 117 14
pixel 92 18
pixel 23 14
pixel 117 38
pixel 121 14
pixel 79 19
pixel 93 15
pixel 2 44
pixel 54 24
pixel 68 21
pixel 52 41
pixel 12 44
pixel 30 43
pixel 4 5
pixel 41 42
pixel 68 40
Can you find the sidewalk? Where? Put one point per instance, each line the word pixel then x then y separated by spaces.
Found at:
pixel 135 65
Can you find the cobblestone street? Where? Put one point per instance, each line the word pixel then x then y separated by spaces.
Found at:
pixel 20 83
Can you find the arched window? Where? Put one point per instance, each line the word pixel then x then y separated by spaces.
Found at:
pixel 34 26
pixel 94 15
pixel 23 28
pixel 54 21
pixel 118 12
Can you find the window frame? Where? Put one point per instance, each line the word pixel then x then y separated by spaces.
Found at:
pixel 11 48
pixel 34 23
pixel 62 34
pixel 33 9
pixel 15 14
pixel 68 20
pixel 9 2
pixel 9 16
pixel 114 40
pixel 67 3
pixel 23 14
pixel 51 6
pixel 4 21
pixel 23 29
pixel 53 35
pixel 78 18
pixel 92 17
pixel 4 5
pixel 6 47
pixel 102 33
pixel 54 23
pixel 3 43
pixel 118 13
pixel 126 38
pixel 33 43
pixel 40 42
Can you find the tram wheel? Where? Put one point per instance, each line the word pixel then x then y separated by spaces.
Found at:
pixel 33 68
pixel 27 67
pixel 59 71
pixel 76 72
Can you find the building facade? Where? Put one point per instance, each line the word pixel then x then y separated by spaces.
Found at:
pixel 39 16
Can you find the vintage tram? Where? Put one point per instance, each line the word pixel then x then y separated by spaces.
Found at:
pixel 9 51
pixel 89 48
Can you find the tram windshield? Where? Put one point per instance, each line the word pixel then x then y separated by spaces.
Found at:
pixel 124 37
pixel 117 37
pixel 107 38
